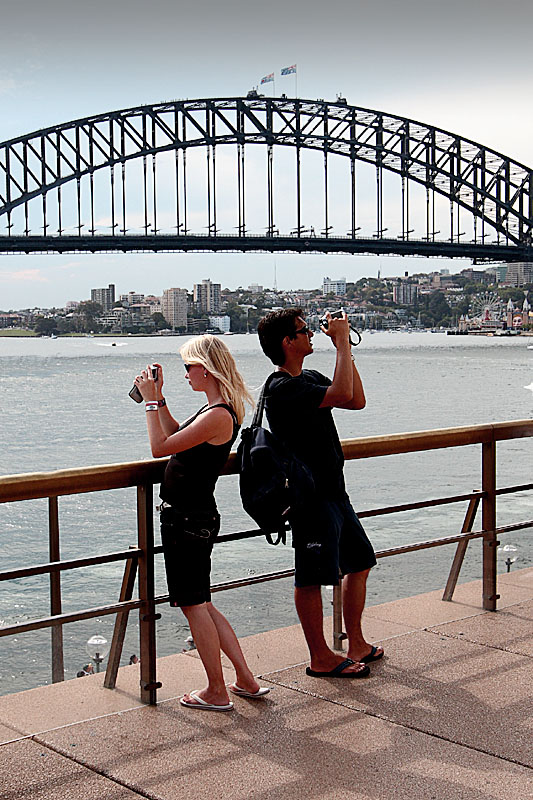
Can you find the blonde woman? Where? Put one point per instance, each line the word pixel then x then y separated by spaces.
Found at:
pixel 199 448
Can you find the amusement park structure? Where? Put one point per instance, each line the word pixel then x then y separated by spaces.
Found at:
pixel 262 174
pixel 488 314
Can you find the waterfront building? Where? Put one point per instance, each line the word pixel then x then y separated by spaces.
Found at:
pixel 131 298
pixel 174 307
pixel 10 320
pixel 518 274
pixel 223 323
pixel 330 286
pixel 405 293
pixel 497 273
pixel 475 275
pixel 206 295
pixel 105 297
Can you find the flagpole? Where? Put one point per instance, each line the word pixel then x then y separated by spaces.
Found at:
pixel 296 81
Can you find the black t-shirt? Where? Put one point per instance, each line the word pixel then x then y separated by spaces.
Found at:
pixel 295 417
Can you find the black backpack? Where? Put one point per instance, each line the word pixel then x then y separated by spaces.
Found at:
pixel 272 481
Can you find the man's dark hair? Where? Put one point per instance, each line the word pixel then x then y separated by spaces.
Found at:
pixel 272 330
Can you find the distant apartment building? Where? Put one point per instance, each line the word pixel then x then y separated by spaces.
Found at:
pixel 105 297
pixel 255 288
pixel 132 298
pixel 174 307
pixel 405 293
pixel 10 320
pixel 206 295
pixel 518 274
pixel 223 323
pixel 496 273
pixel 475 275
pixel 330 286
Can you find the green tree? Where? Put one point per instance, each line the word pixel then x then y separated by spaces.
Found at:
pixel 45 326
pixel 88 311
pixel 159 321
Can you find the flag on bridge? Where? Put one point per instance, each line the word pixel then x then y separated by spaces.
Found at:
pixel 289 70
pixel 267 78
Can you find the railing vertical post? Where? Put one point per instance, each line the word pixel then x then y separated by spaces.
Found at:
pixel 58 669
pixel 121 623
pixel 147 615
pixel 490 543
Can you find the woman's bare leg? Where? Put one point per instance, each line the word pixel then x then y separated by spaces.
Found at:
pixel 207 641
pixel 230 646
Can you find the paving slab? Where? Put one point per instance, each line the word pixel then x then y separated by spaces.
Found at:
pixel 510 629
pixel 289 745
pixel 30 771
pixel 446 687
pixel 58 704
pixel 517 577
pixel 430 609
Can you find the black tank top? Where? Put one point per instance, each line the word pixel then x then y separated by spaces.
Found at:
pixel 190 476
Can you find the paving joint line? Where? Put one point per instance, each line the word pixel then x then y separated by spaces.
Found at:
pixel 399 724
pixel 92 768
pixel 462 638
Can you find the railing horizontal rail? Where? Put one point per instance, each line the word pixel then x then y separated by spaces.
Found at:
pixel 74 616
pixel 525 487
pixel 74 563
pixel 129 605
pixel 440 501
pixel 408 548
pixel 28 486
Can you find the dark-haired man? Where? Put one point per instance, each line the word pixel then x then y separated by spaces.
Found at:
pixel 327 536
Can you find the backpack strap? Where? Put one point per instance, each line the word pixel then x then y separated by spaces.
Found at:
pixel 257 420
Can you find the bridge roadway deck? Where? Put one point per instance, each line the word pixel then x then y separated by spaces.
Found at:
pixel 447 714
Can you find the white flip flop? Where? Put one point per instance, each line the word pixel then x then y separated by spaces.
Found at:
pixel 243 693
pixel 203 705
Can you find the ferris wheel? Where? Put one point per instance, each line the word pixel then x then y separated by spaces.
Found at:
pixel 486 307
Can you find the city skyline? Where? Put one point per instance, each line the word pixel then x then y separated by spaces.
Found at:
pixel 425 61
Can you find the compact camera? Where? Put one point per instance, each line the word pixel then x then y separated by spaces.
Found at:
pixel 338 315
pixel 135 394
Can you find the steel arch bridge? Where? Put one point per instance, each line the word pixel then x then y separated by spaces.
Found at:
pixel 121 181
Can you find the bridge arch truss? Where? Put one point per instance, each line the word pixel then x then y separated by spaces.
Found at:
pixel 39 170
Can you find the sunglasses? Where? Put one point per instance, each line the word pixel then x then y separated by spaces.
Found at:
pixel 305 330
pixel 188 367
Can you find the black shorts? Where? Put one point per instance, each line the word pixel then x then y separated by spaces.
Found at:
pixel 187 541
pixel 329 540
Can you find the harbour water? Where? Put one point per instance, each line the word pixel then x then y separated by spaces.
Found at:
pixel 65 404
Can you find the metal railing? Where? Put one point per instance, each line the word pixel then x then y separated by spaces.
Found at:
pixel 140 559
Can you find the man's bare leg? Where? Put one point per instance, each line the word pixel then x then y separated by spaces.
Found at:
pixel 353 604
pixel 308 601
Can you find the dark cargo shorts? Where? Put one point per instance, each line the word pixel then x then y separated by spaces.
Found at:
pixel 187 546
pixel 328 539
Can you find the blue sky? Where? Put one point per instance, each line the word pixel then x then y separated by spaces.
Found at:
pixel 463 66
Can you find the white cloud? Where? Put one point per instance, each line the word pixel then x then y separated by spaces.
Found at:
pixel 24 275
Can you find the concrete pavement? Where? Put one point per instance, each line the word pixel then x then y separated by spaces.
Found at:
pixel 447 714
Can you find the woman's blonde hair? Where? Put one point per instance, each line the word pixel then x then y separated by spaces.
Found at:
pixel 213 354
